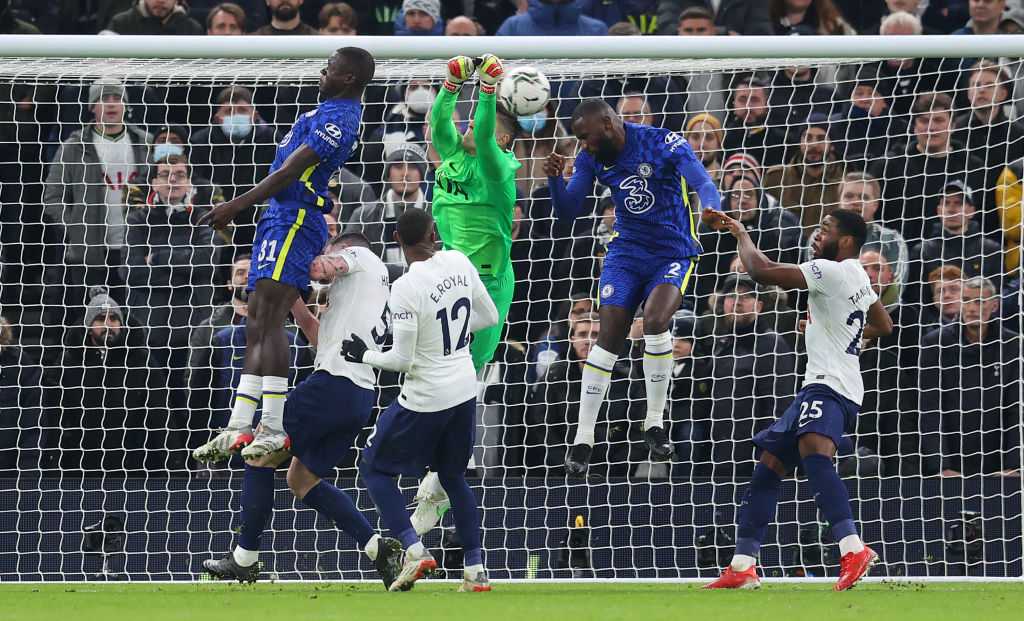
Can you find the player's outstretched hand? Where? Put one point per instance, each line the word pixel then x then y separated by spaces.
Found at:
pixel 354 348
pixel 221 215
pixel 718 221
pixel 490 70
pixel 460 69
pixel 554 165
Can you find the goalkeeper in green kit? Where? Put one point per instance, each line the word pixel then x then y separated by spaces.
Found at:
pixel 474 195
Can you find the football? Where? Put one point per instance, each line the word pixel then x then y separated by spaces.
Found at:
pixel 524 91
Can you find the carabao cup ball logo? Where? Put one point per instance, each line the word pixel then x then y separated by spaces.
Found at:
pixel 638 198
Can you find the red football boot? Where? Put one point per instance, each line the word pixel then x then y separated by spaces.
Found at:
pixel 853 566
pixel 732 579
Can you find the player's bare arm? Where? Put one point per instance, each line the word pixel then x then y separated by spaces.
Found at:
pixel 298 162
pixel 307 322
pixel 762 269
pixel 327 267
pixel 879 322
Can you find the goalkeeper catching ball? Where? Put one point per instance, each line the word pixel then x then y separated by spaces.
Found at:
pixel 474 195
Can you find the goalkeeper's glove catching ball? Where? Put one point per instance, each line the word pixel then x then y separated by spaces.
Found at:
pixel 490 70
pixel 459 69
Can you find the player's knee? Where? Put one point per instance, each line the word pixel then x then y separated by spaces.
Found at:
pixel 655 325
pixel 300 481
pixel 816 444
pixel 775 464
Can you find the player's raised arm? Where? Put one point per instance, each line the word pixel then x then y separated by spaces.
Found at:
pixel 443 134
pixel 297 163
pixel 567 200
pixel 689 166
pixel 762 269
pixel 487 148
pixel 879 321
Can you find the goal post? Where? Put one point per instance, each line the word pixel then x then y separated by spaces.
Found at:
pixel 95 474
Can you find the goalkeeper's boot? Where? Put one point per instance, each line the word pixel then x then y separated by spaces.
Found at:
pixel 225 444
pixel 227 569
pixel 268 440
pixel 577 460
pixel 430 505
pixel 389 560
pixel 475 582
pixel 658 444
pixel 413 569
pixel 853 566
pixel 732 579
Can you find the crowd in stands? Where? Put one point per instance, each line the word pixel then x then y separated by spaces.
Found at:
pixel 125 322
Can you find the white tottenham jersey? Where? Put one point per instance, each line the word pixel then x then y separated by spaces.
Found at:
pixel 357 302
pixel 840 294
pixel 435 299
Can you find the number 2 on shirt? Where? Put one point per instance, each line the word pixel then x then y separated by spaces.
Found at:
pixel 446 325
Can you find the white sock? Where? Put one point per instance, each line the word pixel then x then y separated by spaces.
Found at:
pixel 275 389
pixel 742 562
pixel 597 374
pixel 371 547
pixel 245 557
pixel 247 397
pixel 416 550
pixel 657 369
pixel 850 543
pixel 473 570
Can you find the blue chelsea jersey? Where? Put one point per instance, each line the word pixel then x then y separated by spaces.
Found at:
pixel 648 180
pixel 332 130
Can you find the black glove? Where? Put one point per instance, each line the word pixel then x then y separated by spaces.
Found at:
pixel 354 348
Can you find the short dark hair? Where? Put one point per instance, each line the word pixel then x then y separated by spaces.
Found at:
pixel 509 125
pixel 352 237
pixel 232 94
pixel 231 9
pixel 170 160
pixel 591 106
pixel 245 256
pixel 362 61
pixel 341 10
pixel 697 12
pixel 851 223
pixel 932 102
pixel 414 225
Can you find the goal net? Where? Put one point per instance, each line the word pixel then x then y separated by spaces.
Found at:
pixel 124 323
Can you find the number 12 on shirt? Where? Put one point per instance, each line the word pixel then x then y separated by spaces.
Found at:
pixel 446 325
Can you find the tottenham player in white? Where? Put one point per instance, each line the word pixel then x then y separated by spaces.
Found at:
pixel 434 309
pixel 323 415
pixel 843 310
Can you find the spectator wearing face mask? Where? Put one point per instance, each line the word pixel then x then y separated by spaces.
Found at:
pixel 542 133
pixel 169 141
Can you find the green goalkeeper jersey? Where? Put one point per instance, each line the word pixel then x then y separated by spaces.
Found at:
pixel 473 194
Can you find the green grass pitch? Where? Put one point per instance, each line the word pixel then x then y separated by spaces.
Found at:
pixel 521 602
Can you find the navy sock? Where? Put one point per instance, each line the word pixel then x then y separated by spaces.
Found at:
pixel 389 502
pixel 756 509
pixel 335 504
pixel 467 517
pixel 257 505
pixel 830 494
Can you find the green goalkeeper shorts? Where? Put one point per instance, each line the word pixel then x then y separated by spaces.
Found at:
pixel 485 341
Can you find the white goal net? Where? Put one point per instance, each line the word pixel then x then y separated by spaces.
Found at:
pixel 124 323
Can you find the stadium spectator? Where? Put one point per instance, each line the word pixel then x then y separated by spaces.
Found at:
pixel 910 179
pixel 169 261
pixel 227 18
pixel 542 134
pixel 753 373
pixel 552 18
pixel 337 18
pixel 863 129
pixel 747 127
pixel 731 16
pixel 795 97
pixel 624 29
pixel 911 7
pixel 552 345
pixel 155 17
pixel 169 141
pixel 945 15
pixel 1009 195
pixel 706 91
pixel 985 17
pixel 349 193
pixel 531 256
pixel 945 283
pixel 375 17
pixel 83 203
pixel 881 276
pixel 78 17
pixel 587 253
pixel 807 17
pixel 697 21
pixel 112 398
pixel 404 123
pixel 687 397
pixel 985 128
pixel 22 434
pixel 285 20
pixel 957 239
pixel 970 385
pixel 419 17
pixel 664 96
pixel 462 26
pixel 808 184
pixel 633 108
pixel 404 170
pixel 705 134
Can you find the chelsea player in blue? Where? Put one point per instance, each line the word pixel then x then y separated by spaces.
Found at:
pixel 650 257
pixel 289 236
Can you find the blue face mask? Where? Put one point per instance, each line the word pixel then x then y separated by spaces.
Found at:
pixel 534 123
pixel 166 149
pixel 236 125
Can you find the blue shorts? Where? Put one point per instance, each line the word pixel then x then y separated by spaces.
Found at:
pixel 407 442
pixel 627 281
pixel 288 237
pixel 816 409
pixel 322 417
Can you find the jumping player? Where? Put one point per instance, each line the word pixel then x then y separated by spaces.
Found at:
pixel 324 414
pixel 650 257
pixel 432 423
pixel 290 234
pixel 843 310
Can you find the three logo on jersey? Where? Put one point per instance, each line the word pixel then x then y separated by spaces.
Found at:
pixel 639 198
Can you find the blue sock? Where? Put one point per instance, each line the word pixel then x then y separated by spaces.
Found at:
pixel 389 502
pixel 257 505
pixel 335 504
pixel 756 510
pixel 467 517
pixel 830 494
